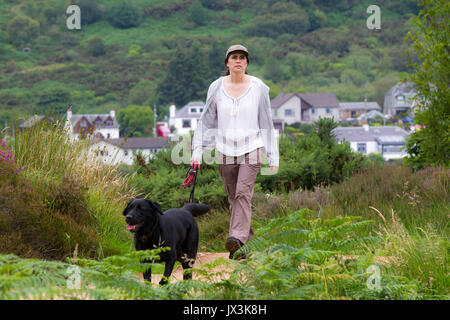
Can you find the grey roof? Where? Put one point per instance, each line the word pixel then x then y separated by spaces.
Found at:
pixel 399 140
pixel 91 117
pixel 140 143
pixel 184 111
pixel 407 88
pixel 372 105
pixel 316 100
pixel 388 135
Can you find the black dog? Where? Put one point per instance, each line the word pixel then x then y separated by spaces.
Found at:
pixel 175 228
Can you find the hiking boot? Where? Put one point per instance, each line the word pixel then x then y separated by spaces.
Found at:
pixel 233 245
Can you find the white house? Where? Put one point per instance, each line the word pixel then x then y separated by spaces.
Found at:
pixel 305 107
pixel 387 141
pixel 185 119
pixel 102 126
pixel 125 150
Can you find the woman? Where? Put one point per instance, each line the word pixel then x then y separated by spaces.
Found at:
pixel 237 122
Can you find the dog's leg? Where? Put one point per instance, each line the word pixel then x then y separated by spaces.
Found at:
pixel 148 273
pixel 187 262
pixel 170 262
pixel 187 275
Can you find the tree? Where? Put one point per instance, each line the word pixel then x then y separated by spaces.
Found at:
pixel 136 121
pixel 197 14
pixel 53 102
pixel 21 30
pixel 216 58
pixel 90 11
pixel 142 93
pixel 430 42
pixel 124 16
pixel 187 77
pixel 324 126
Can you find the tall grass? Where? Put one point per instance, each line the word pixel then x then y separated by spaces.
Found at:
pixel 48 157
pixel 421 254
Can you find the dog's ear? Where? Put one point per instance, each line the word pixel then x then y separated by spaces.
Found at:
pixel 125 211
pixel 155 206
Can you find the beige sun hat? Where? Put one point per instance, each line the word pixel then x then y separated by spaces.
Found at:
pixel 236 47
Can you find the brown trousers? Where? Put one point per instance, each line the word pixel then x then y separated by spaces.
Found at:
pixel 238 176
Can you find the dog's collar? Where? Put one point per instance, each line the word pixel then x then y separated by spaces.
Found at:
pixel 145 237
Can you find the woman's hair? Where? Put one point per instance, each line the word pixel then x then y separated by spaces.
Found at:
pixel 227 72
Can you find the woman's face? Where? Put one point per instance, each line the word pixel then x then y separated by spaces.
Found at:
pixel 237 62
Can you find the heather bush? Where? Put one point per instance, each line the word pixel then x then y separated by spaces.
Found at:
pixel 8 166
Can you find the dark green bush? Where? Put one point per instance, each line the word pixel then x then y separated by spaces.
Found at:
pixel 96 47
pixel 124 16
pixel 22 30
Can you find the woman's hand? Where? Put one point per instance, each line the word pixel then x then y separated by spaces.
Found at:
pixel 273 169
pixel 195 160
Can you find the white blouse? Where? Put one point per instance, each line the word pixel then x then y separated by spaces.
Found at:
pixel 238 126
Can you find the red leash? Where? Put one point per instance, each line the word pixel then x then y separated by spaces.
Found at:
pixel 191 177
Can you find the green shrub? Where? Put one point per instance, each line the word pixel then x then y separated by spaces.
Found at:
pixel 96 47
pixel 22 30
pixel 124 16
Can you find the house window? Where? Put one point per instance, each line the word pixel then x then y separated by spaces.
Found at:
pixel 125 152
pixel 400 98
pixel 201 109
pixel 328 110
pixel 83 124
pixel 288 113
pixel 193 110
pixel 108 136
pixel 361 147
pixel 186 123
pixel 313 110
pixel 391 148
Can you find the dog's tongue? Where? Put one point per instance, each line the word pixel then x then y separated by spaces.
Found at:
pixel 131 227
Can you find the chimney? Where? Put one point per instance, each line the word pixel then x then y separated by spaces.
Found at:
pixel 366 127
pixel 69 113
pixel 172 110
pixel 112 113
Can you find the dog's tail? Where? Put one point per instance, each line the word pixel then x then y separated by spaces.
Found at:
pixel 197 209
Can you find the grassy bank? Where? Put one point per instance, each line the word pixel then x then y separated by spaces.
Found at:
pixel 62 198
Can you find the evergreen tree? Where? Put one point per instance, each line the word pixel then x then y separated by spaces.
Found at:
pixel 197 14
pixel 187 77
pixel 430 42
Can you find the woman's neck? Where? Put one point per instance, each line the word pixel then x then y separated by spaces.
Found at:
pixel 238 77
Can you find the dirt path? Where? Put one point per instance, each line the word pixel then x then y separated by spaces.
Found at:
pixel 215 274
